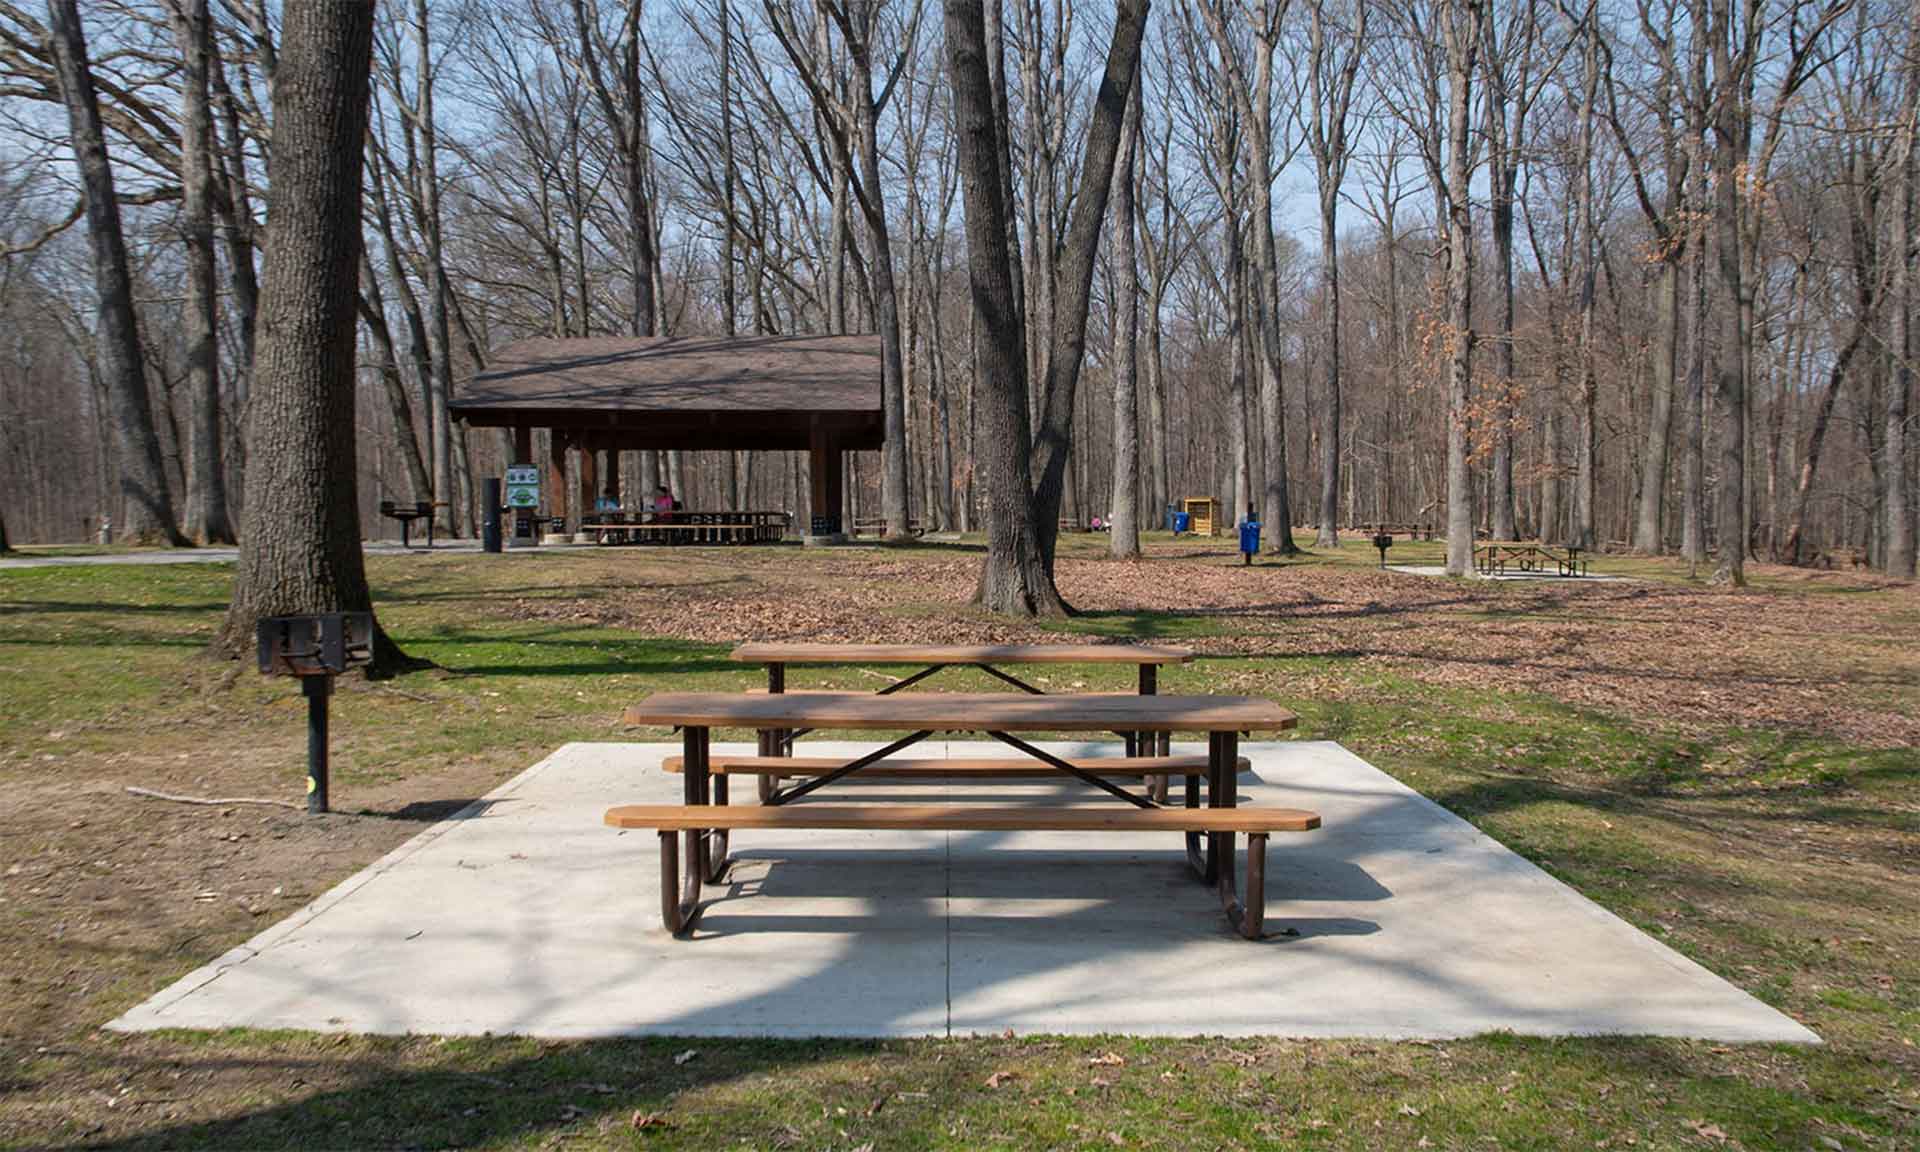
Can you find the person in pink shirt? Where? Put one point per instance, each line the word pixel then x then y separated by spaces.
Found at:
pixel 662 504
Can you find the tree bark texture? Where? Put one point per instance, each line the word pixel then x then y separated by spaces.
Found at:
pixel 147 502
pixel 1068 338
pixel 300 535
pixel 207 521
pixel 1461 23
pixel 1124 528
pixel 1014 580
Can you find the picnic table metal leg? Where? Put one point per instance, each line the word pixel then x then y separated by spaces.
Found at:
pixel 1199 855
pixel 1223 766
pixel 1148 743
pixel 773 741
pixel 717 861
pixel 697 788
pixel 1249 916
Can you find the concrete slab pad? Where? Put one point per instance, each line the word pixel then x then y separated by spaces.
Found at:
pixel 1529 577
pixel 524 914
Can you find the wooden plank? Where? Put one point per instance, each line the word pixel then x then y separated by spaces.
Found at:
pixel 962 712
pixel 909 769
pixel 961 818
pixel 960 654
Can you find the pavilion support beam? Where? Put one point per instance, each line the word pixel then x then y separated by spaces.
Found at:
pixel 589 485
pixel 521 527
pixel 825 469
pixel 557 444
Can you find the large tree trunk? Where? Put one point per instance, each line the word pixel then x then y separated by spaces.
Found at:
pixel 206 513
pixel 1075 276
pixel 1899 514
pixel 1729 377
pixel 300 535
pixel 1585 463
pixel 1693 482
pixel 893 400
pixel 1331 93
pixel 1014 579
pixel 1462 34
pixel 1239 487
pixel 1649 521
pixel 148 504
pixel 439 331
pixel 1125 526
pixel 1329 535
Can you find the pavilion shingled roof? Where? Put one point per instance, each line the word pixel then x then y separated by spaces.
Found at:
pixel 795 374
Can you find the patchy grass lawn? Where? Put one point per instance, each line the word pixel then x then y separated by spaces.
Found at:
pixel 1733 772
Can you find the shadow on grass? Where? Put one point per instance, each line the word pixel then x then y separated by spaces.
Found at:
pixel 547 1088
pixel 103 607
pixel 614 654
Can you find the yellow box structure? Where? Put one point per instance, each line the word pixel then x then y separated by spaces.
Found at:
pixel 1203 513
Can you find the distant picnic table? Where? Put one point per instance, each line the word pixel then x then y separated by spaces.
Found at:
pixel 1145 719
pixel 1495 557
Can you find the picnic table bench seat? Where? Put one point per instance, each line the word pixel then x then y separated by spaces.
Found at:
pixel 1004 768
pixel 680 901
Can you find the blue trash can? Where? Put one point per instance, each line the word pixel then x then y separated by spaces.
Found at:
pixel 1249 539
pixel 1182 522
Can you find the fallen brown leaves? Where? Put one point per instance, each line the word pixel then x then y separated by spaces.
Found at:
pixel 1670 654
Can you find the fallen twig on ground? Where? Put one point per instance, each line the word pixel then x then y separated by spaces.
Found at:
pixel 212 801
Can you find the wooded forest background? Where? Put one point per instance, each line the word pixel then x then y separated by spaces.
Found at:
pixel 1631 274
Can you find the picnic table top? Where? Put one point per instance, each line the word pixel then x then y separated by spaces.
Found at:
pixel 962 711
pixel 766 653
pixel 1540 544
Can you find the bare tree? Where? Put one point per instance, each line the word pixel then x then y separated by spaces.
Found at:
pixel 1331 74
pixel 1900 528
pixel 146 500
pixel 300 535
pixel 1074 277
pixel 206 496
pixel 1124 525
pixel 1252 94
pixel 1672 234
pixel 1014 580
pixel 1512 85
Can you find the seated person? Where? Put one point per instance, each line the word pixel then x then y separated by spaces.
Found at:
pixel 663 504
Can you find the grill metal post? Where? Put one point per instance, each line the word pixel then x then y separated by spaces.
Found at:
pixel 316 689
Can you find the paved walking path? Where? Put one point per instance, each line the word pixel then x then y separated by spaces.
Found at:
pixel 524 914
pixel 27 558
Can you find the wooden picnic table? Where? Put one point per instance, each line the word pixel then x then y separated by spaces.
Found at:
pixel 932 658
pixel 1493 556
pixel 705 820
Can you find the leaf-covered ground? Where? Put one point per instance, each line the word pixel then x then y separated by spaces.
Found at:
pixel 1733 772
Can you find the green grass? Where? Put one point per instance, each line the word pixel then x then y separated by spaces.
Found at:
pixel 1782 859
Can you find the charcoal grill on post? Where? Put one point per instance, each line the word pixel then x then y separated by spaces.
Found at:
pixel 316 649
pixel 1383 541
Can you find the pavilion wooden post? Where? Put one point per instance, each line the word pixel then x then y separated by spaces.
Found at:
pixel 589 484
pixel 557 479
pixel 521 529
pixel 829 484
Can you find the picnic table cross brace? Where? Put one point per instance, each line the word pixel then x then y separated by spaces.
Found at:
pixel 1053 761
pixel 812 782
